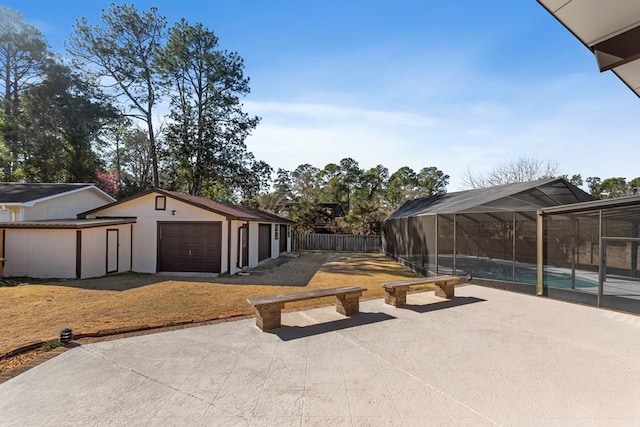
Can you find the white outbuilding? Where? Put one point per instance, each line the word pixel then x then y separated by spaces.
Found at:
pixel 180 233
pixel 156 231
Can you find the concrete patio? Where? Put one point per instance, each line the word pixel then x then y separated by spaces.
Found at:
pixel 487 357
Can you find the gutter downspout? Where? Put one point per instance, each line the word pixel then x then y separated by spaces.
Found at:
pixel 228 246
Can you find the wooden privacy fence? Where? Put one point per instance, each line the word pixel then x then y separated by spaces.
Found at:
pixel 335 242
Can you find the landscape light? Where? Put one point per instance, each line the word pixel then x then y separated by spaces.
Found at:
pixel 66 335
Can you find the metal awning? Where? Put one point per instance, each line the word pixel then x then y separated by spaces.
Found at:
pixel 610 29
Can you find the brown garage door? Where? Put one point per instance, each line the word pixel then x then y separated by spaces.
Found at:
pixel 283 238
pixel 190 246
pixel 264 241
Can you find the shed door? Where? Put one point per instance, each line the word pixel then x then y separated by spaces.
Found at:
pixel 283 238
pixel 264 241
pixel 190 247
pixel 112 250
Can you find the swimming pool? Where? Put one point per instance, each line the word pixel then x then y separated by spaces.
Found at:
pixel 503 270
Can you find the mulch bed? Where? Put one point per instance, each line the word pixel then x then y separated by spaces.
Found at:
pixel 15 364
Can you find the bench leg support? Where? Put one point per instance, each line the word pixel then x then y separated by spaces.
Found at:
pixel 348 304
pixel 396 297
pixel 445 289
pixel 269 316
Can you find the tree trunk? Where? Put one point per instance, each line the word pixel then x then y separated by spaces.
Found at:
pixel 152 148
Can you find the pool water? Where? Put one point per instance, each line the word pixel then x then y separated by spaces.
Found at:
pixel 555 280
pixel 498 271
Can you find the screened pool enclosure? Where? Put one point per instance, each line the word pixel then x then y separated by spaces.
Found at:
pixel 492 236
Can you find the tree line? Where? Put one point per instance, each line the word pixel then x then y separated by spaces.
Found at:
pixel 527 168
pixel 344 198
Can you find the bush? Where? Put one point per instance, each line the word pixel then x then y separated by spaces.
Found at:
pixel 50 345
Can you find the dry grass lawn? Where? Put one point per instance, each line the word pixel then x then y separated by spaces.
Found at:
pixel 37 312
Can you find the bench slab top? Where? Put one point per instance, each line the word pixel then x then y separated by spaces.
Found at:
pixel 431 279
pixel 298 296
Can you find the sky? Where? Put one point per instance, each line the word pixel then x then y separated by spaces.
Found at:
pixel 461 85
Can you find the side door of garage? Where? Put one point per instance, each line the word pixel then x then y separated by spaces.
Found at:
pixel 283 238
pixel 264 241
pixel 190 247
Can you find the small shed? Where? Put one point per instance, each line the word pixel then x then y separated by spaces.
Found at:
pixel 68 248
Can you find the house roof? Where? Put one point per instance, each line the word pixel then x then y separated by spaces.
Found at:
pixel 230 211
pixel 29 193
pixel 609 29
pixel 516 197
pixel 68 223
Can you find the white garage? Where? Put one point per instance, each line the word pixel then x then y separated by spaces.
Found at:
pixel 152 232
pixel 180 233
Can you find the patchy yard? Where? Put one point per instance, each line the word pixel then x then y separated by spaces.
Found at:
pixel 38 311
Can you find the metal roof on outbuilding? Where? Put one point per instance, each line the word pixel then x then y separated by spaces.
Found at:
pixel 228 209
pixel 516 197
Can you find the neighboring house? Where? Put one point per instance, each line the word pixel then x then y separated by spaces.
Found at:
pixel 334 215
pixel 154 231
pixel 327 217
pixel 44 201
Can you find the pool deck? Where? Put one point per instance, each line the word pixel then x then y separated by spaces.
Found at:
pixel 487 357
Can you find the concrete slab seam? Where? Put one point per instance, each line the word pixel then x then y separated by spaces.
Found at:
pixel 147 377
pixel 438 396
pixel 266 378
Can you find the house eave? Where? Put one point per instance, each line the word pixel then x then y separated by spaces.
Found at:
pixel 75 224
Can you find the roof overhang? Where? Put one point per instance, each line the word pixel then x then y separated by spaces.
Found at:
pixel 238 213
pixel 623 209
pixel 71 223
pixel 610 29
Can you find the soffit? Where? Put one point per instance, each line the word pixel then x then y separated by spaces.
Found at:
pixel 597 21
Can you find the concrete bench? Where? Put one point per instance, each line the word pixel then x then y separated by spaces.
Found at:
pixel 269 309
pixel 396 292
